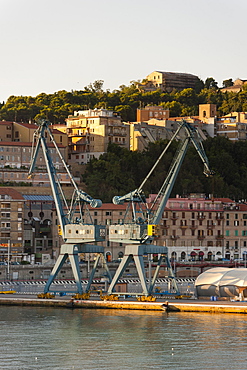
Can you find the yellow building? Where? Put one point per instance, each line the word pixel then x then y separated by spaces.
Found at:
pixel 90 132
pixel 6 131
pixel 24 132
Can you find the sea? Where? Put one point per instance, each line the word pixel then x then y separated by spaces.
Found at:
pixel 64 338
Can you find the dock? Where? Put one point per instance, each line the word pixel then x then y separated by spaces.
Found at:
pixel 188 305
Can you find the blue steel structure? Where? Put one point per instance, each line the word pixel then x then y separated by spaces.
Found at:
pixel 139 227
pixel 75 224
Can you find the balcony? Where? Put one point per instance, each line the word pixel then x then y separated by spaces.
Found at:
pixel 219 217
pixel 219 237
pixel 201 237
pixel 174 237
pixel 201 217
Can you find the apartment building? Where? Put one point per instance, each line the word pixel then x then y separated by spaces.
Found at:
pixel 168 81
pixel 38 237
pixel 233 126
pixel 6 130
pixel 143 133
pixel 149 112
pixel 90 131
pixel 197 228
pixel 11 223
pixel 15 158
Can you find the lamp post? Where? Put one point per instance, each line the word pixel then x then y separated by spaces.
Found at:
pixel 8 260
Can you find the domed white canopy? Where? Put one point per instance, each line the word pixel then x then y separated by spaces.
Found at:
pixel 222 282
pixel 220 276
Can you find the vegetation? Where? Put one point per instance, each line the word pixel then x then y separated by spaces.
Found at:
pixel 119 171
pixel 56 107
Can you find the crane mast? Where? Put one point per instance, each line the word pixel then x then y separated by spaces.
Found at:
pixel 75 223
pixel 140 224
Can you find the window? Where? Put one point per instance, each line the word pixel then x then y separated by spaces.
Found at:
pixel 227 223
pixel 108 213
pixel 235 232
pixel 227 232
pixel 236 223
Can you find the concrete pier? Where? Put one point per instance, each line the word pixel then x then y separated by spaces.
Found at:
pixel 127 304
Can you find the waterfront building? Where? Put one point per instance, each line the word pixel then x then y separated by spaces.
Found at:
pixel 200 228
pixel 38 236
pixel 11 223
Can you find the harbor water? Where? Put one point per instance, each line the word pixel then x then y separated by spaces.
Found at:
pixel 59 338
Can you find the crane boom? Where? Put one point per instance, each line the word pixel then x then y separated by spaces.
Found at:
pixel 143 214
pixel 76 232
pixel 69 224
pixel 139 226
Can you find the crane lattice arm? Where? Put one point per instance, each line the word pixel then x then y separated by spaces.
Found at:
pixel 65 212
pixel 144 214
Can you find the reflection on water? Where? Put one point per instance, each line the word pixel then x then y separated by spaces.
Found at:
pixel 54 338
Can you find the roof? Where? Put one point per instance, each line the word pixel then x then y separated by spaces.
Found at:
pixel 6 122
pixel 12 193
pixel 223 276
pixel 43 198
pixel 28 125
pixel 27 143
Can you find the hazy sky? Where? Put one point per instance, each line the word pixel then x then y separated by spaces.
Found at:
pixel 53 45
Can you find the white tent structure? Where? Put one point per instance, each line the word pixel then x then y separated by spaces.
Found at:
pixel 222 282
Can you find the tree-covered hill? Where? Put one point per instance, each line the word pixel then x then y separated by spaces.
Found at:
pixel 125 100
pixel 119 171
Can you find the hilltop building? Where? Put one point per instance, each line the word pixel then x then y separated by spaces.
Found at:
pixel 168 81
pixel 237 86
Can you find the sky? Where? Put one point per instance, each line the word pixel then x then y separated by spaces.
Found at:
pixel 53 45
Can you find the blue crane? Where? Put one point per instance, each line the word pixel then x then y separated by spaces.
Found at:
pixel 141 221
pixel 75 223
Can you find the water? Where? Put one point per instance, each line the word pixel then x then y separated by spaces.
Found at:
pixel 56 338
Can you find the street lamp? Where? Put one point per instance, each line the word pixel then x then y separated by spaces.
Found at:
pixel 8 259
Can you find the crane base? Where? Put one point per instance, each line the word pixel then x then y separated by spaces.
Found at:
pixel 71 251
pixel 136 252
